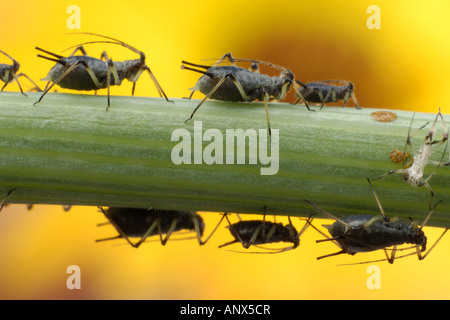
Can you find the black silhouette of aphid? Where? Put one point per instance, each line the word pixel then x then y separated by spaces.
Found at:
pixel 236 84
pixel 326 91
pixel 256 232
pixel 8 74
pixel 83 72
pixel 366 233
pixel 143 223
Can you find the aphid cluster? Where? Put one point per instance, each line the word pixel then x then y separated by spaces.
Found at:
pixel 225 80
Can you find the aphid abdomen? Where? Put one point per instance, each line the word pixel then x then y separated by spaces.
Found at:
pixel 228 91
pixel 375 236
pixel 245 231
pixel 132 221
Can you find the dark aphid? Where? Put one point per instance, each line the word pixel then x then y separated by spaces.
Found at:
pixel 256 232
pixel 326 91
pixel 83 72
pixel 3 201
pixel 365 233
pixel 8 73
pixel 143 223
pixel 413 171
pixel 233 83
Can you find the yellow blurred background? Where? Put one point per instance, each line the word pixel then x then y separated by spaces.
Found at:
pixel 403 65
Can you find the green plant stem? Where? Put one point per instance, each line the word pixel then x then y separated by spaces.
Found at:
pixel 69 150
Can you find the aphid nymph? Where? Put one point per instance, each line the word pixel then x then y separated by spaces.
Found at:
pixel 233 83
pixel 143 223
pixel 365 233
pixel 414 170
pixel 326 91
pixel 82 72
pixel 8 74
pixel 256 232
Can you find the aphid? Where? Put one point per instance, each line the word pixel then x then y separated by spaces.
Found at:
pixel 326 91
pixel 365 233
pixel 143 223
pixel 8 74
pixel 413 171
pixel 256 232
pixel 83 72
pixel 236 84
pixel 3 201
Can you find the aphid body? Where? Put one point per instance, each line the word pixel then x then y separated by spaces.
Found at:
pixel 365 233
pixel 236 84
pixel 245 230
pixel 257 232
pixel 8 73
pixel 143 223
pixel 326 91
pixel 82 72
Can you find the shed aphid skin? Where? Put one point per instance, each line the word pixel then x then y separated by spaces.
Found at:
pixel 256 232
pixel 366 233
pixel 82 72
pixel 3 201
pixel 8 74
pixel 143 223
pixel 326 91
pixel 236 84
pixel 413 171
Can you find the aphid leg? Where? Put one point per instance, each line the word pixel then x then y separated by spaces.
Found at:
pixel 331 92
pixel 307 224
pixel 3 202
pixel 266 106
pixel 82 63
pixel 352 95
pixel 123 235
pixel 297 92
pixel 197 230
pixel 172 227
pixel 36 87
pixel 229 223
pixel 158 87
pixel 111 69
pixel 217 86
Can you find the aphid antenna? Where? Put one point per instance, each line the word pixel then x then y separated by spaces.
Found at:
pixel 301 83
pixel 196 70
pixel 329 214
pixel 114 40
pixel 50 59
pixel 8 56
pixel 283 69
pixel 50 53
pixel 261 252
